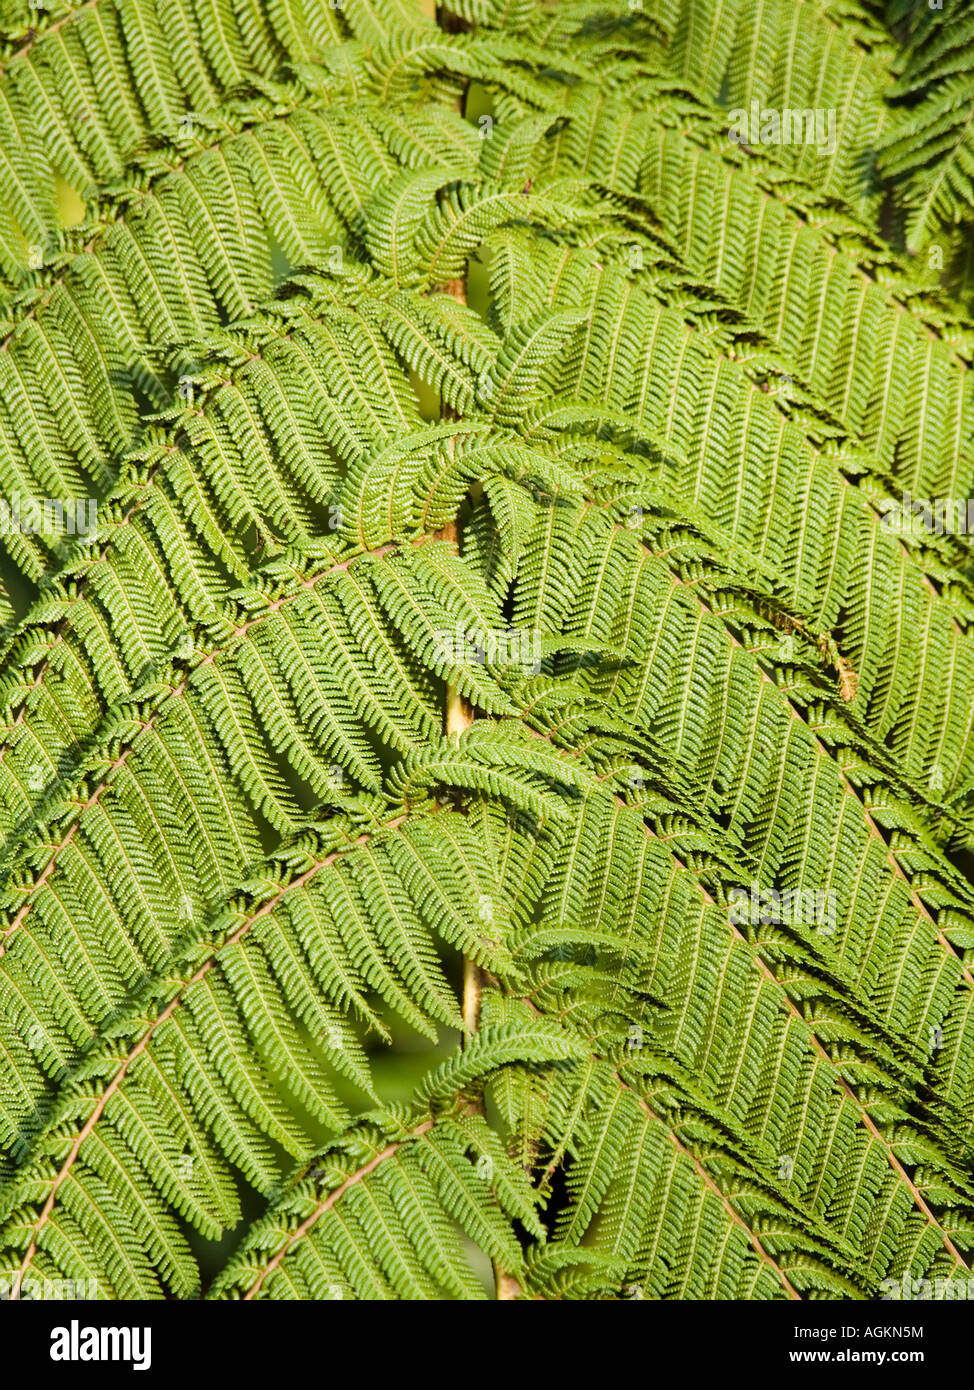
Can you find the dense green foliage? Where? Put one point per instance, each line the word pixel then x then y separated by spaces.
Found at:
pixel 345 276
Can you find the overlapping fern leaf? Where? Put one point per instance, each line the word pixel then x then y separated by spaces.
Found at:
pixel 418 363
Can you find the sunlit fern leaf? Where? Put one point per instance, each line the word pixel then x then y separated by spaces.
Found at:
pixel 422 364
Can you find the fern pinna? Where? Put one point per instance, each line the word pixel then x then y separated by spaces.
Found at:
pixel 492 642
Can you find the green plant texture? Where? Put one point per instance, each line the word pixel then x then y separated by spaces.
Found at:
pixel 486 696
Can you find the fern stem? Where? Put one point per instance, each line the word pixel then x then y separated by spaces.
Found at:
pixel 458 716
pixel 473 984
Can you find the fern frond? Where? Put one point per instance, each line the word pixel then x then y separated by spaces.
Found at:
pixel 418 364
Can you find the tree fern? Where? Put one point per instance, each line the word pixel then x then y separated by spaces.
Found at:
pixel 493 628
